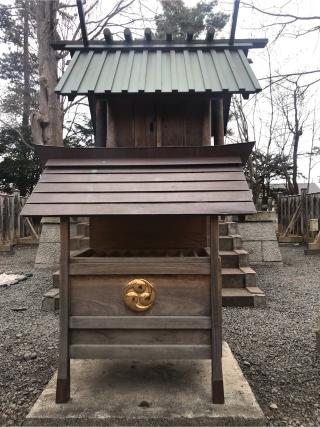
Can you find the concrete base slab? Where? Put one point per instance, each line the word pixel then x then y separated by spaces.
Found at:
pixel 155 393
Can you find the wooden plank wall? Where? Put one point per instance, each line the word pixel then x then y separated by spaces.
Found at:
pixel 294 213
pixel 12 226
pixel 158 122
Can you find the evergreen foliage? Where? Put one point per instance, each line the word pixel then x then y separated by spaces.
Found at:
pixel 178 18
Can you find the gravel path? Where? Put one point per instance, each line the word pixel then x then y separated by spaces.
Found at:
pixel 28 338
pixel 275 346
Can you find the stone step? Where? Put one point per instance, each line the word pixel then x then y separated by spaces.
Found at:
pixel 226 228
pixel 238 277
pixel 245 297
pixel 229 243
pixel 83 228
pixel 79 242
pixel 235 258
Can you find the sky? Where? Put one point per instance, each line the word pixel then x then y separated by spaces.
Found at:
pixel 288 54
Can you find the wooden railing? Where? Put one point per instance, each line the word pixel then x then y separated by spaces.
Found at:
pixel 299 217
pixel 14 228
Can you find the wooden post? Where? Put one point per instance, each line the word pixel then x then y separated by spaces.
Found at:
pixel 11 218
pixel 17 210
pixel 63 380
pixel 101 120
pixel 206 124
pixel 216 313
pixel 304 225
pixel 218 122
pixel 1 219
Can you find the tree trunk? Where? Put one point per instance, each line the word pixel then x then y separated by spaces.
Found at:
pixel 46 124
pixel 26 68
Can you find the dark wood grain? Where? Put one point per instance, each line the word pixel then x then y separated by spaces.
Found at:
pixel 141 336
pixel 140 322
pixel 63 378
pixel 176 295
pixel 145 232
pixel 144 177
pixel 140 187
pixel 216 313
pixel 197 154
pixel 148 197
pixel 213 208
pixel 139 352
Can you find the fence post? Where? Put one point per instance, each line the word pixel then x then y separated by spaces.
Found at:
pixel 11 218
pixel 17 209
pixel 304 225
pixel 1 220
pixel 270 204
pixel 259 204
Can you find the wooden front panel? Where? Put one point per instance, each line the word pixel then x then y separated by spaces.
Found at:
pixel 143 232
pixel 142 337
pixel 162 121
pixel 176 295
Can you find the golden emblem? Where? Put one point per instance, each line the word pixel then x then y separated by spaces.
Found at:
pixel 139 295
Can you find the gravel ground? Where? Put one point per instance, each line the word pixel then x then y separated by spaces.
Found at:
pixel 275 346
pixel 28 338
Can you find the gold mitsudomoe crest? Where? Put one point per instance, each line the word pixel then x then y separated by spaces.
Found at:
pixel 139 295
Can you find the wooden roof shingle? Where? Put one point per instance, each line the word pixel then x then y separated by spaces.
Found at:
pixel 148 181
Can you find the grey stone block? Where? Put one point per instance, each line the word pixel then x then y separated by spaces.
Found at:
pixel 257 231
pixel 48 254
pixel 254 249
pixel 259 301
pixel 50 233
pixel 262 216
pixel 271 252
pixel 318 341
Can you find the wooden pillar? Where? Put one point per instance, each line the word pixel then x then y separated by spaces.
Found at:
pixel 216 313
pixel 304 216
pixel 101 121
pixel 63 380
pixel 217 121
pixel 206 124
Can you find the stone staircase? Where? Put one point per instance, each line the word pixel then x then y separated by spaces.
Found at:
pixel 238 278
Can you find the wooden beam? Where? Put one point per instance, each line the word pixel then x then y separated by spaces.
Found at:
pixel 108 35
pixel 127 35
pixel 234 20
pixel 138 352
pixel 148 34
pixel 217 121
pixel 161 44
pixel 129 322
pixel 82 23
pixel 216 313
pixel 63 379
pixel 189 36
pixel 210 34
pixel 169 36
pixel 101 123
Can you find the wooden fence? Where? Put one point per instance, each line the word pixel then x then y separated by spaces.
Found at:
pixel 13 228
pixel 299 218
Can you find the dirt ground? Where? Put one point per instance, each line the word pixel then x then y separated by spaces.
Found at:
pixel 275 346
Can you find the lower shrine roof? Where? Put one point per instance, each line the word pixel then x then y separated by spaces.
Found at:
pixel 142 181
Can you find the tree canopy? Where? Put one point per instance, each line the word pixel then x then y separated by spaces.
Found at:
pixel 178 18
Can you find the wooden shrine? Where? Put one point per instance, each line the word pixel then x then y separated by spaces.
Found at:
pixel 153 189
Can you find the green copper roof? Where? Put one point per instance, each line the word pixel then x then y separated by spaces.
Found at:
pixel 148 71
